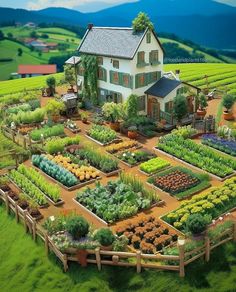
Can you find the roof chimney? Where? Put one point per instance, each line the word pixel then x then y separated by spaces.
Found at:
pixel 177 73
pixel 90 26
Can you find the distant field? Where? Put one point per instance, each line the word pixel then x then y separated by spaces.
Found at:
pixel 8 49
pixel 12 86
pixel 208 57
pixel 220 76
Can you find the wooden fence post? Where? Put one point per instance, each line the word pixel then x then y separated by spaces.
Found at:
pixel 208 248
pixel 181 260
pixel 46 244
pixel 24 143
pixel 7 203
pixel 17 213
pixel 34 229
pixel 234 231
pixel 98 258
pixel 25 222
pixel 139 263
pixel 65 264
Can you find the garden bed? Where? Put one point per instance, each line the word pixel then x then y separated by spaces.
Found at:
pixel 194 167
pixel 220 144
pixel 74 131
pixel 214 203
pixel 148 234
pixel 197 155
pixel 118 199
pixel 154 166
pixel 116 140
pixel 179 182
pixel 122 146
pixel 133 158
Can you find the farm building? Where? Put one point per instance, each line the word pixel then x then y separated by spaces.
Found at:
pixel 132 63
pixel 36 70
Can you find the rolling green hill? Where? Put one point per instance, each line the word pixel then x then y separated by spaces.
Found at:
pixel 9 47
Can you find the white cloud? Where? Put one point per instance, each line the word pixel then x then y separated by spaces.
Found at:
pixel 40 4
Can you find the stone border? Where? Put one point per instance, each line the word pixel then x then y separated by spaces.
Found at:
pixel 195 167
pixel 90 212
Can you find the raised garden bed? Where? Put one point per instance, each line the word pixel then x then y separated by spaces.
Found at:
pixel 133 158
pixel 118 199
pixel 180 182
pixel 102 135
pixel 221 144
pixel 197 155
pixel 153 166
pixel 213 204
pixel 68 175
pixel 91 156
pixel 122 146
pixel 148 234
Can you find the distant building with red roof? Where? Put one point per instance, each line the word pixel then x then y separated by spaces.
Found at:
pixel 36 70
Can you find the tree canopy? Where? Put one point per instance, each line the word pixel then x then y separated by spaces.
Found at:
pixel 141 22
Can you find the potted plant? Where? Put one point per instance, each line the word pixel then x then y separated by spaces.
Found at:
pixel 53 109
pixel 228 102
pixel 202 104
pixel 84 117
pixel 133 132
pixel 112 113
pixel 196 224
pixel 51 83
pixel 105 237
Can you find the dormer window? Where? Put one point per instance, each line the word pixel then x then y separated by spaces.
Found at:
pixel 100 60
pixel 148 37
pixel 116 64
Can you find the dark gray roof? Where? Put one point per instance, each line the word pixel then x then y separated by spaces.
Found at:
pixel 163 87
pixel 111 42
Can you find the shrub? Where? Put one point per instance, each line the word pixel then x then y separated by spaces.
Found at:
pixel 104 236
pixel 180 107
pixel 185 131
pixel 54 107
pixel 196 223
pixel 228 101
pixel 77 226
pixel 36 116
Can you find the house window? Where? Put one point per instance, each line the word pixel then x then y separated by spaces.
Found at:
pixel 114 77
pixel 116 64
pixel 102 74
pixel 122 79
pixel 141 58
pixel 154 57
pixel 142 103
pixel 169 107
pixel 148 38
pixel 126 80
pixel 100 60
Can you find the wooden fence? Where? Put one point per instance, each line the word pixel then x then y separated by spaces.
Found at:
pixel 101 257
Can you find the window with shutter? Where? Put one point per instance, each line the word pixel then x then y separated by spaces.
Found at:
pixel 126 80
pixel 141 59
pixel 154 57
pixel 142 103
pixel 148 38
pixel 102 74
pixel 169 107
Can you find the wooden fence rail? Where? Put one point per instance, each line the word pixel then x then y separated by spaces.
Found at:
pixel 101 257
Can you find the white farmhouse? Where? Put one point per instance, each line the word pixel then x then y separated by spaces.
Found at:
pixel 132 63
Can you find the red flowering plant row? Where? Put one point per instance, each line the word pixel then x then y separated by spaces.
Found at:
pixel 148 234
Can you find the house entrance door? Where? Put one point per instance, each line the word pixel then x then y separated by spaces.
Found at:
pixel 154 109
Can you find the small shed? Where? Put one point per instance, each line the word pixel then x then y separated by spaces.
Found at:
pixel 70 100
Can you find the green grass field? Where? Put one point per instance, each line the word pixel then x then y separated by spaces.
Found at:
pixel 12 86
pixel 220 76
pixel 24 266
pixel 8 49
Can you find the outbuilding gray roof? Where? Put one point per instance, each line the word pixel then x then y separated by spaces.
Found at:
pixel 164 86
pixel 111 42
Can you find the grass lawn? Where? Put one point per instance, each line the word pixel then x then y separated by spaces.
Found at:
pixel 25 267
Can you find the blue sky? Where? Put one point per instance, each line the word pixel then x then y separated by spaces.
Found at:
pixel 85 5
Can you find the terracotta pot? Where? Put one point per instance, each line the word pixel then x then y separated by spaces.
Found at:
pixel 107 248
pixel 82 257
pixel 201 113
pixel 55 118
pixel 115 126
pixel 132 134
pixel 228 116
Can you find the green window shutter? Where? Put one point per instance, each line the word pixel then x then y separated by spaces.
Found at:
pixel 111 76
pixel 147 79
pixel 120 79
pixel 131 81
pixel 105 75
pixel 150 57
pixel 137 81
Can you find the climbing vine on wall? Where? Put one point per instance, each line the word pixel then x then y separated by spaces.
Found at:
pixel 90 66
